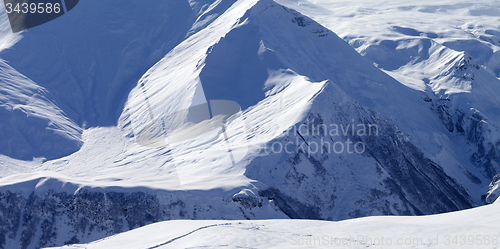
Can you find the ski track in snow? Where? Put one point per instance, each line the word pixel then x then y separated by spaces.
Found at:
pixel 436 231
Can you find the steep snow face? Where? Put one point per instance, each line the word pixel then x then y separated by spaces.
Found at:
pixel 204 69
pixel 352 171
pixel 288 98
pixel 7 38
pixel 110 157
pixel 454 65
pixel 31 124
pixel 494 192
pixel 436 231
pixel 258 63
pixel 88 61
pixel 280 54
pixel 283 71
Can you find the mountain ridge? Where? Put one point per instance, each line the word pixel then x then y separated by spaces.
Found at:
pixel 286 71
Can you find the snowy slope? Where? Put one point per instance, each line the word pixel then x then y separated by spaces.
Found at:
pixel 494 191
pixel 447 50
pixel 476 228
pixel 63 194
pixel 32 125
pixel 89 62
pixel 203 162
pixel 156 79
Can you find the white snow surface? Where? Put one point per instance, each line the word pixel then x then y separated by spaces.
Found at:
pixel 425 45
pixel 111 157
pixel 126 163
pixel 474 228
pixel 241 42
pixel 416 43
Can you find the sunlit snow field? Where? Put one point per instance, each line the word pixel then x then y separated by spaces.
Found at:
pixel 476 228
pixel 412 43
pixel 423 24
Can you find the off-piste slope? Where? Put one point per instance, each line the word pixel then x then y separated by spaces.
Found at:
pixel 31 123
pixel 87 61
pixel 350 135
pixel 434 231
pixel 271 47
pixel 454 65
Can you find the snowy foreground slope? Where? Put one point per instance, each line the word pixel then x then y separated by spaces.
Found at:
pixel 476 228
pixel 232 110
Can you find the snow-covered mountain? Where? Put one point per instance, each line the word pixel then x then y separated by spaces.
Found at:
pixel 122 113
pixel 455 65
